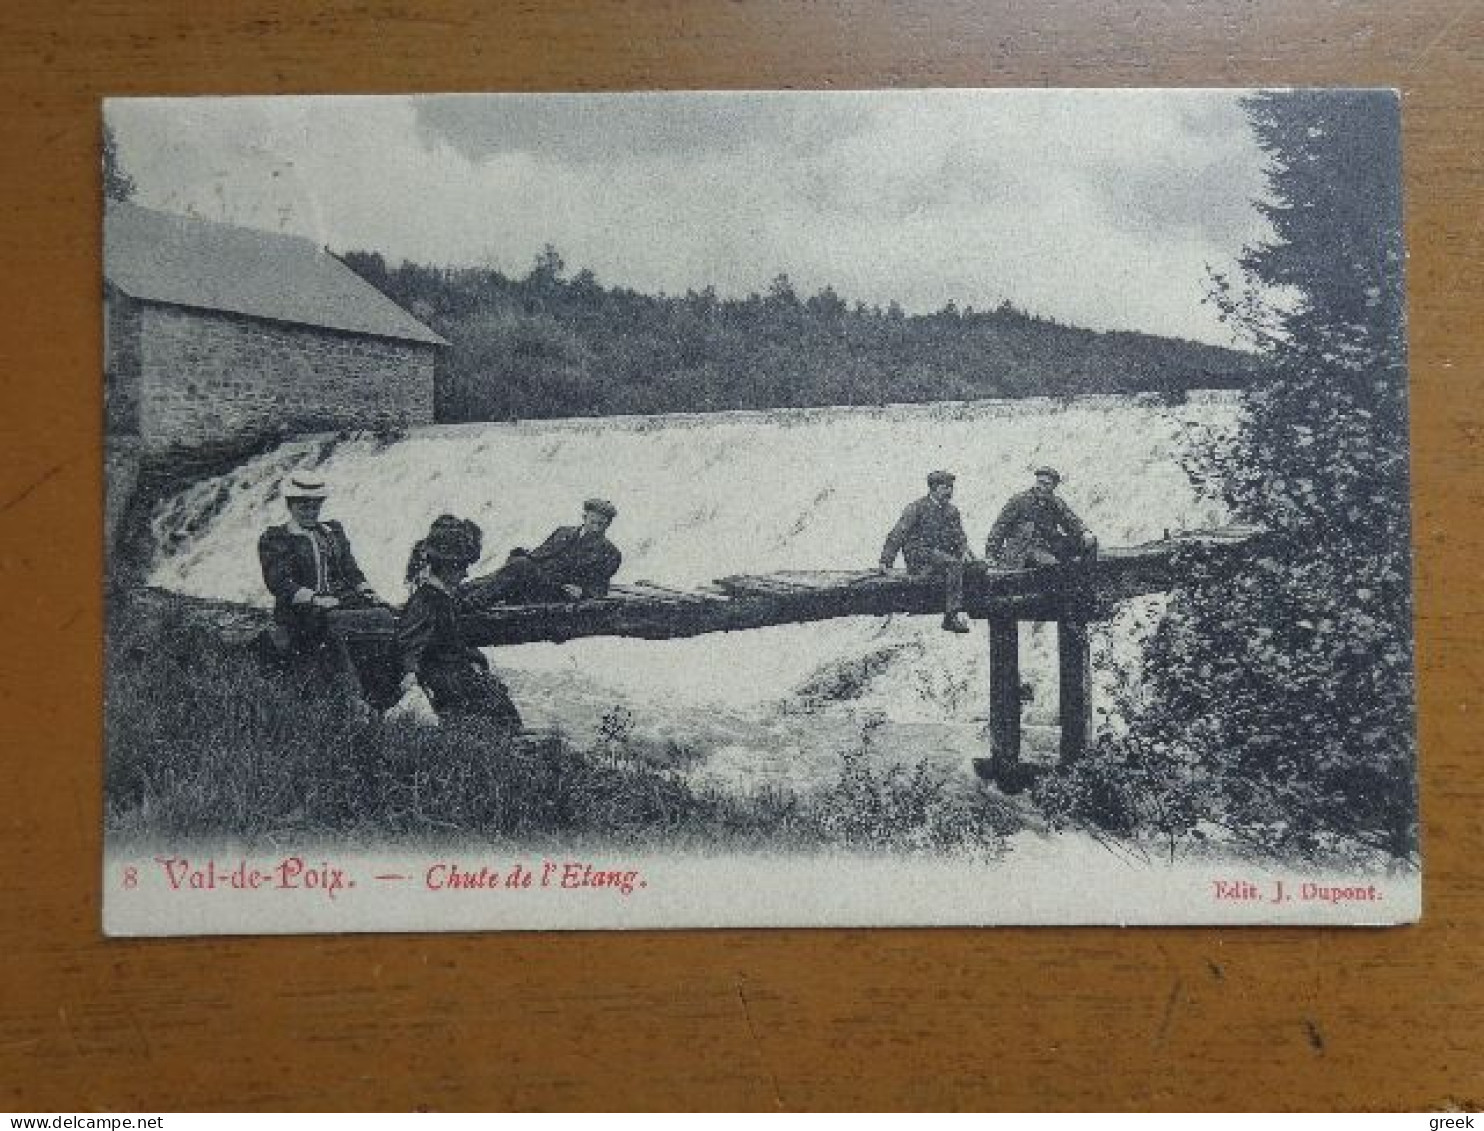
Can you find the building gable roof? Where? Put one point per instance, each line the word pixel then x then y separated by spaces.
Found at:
pixel 161 257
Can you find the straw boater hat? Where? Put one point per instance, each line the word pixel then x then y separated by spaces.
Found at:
pixel 305 487
pixel 1049 472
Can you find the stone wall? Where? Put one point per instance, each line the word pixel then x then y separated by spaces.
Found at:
pixel 208 376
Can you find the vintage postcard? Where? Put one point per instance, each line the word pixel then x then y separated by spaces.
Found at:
pixel 757 509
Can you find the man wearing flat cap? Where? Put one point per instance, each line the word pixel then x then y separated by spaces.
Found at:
pixel 1037 528
pixel 573 563
pixel 309 568
pixel 930 537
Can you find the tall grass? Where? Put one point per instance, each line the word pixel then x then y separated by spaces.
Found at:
pixel 205 739
pixel 208 741
pixel 896 808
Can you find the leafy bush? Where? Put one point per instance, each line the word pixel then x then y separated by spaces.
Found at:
pixel 1278 690
pixel 205 739
pixel 505 363
pixel 898 808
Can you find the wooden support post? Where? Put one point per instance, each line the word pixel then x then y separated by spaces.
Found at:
pixel 1074 646
pixel 1004 694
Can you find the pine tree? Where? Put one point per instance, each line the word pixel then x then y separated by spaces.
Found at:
pixel 1277 698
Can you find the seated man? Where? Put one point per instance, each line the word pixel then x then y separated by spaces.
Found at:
pixel 930 537
pixel 309 568
pixel 430 645
pixel 1036 528
pixel 575 562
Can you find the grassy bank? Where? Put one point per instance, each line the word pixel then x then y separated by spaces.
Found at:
pixel 207 741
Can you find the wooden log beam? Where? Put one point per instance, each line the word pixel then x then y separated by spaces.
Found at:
pixel 1081 592
pixel 1074 688
pixel 1004 696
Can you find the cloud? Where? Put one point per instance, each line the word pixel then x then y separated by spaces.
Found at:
pixel 1103 209
pixel 607 128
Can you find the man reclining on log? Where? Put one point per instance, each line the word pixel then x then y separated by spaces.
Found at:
pixel 1036 528
pixel 434 659
pixel 930 537
pixel 573 563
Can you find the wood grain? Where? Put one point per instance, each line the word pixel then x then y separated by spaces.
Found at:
pixel 760 1019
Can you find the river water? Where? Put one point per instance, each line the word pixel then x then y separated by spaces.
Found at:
pixel 704 496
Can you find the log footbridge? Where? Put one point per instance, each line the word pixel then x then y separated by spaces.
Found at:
pixel 1072 596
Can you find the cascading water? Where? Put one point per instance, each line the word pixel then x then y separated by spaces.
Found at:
pixel 704 496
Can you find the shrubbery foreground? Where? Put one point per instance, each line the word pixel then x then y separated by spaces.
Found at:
pixel 1275 705
pixel 205 741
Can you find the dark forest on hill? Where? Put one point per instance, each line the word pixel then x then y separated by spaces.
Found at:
pixel 554 345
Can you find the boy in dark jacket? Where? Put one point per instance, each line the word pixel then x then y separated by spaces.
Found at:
pixel 930 537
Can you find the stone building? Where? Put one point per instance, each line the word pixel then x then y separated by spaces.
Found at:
pixel 214 333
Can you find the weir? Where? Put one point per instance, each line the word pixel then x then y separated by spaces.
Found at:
pixel 1073 596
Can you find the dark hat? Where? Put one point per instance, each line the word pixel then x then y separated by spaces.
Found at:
pixel 447 523
pixel 475 537
pixel 602 507
pixel 304 487
pixel 940 477
pixel 1048 471
pixel 450 543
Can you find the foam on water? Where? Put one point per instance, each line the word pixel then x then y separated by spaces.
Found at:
pixel 704 496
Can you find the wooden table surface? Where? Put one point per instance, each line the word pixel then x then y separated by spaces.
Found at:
pixel 1095 1018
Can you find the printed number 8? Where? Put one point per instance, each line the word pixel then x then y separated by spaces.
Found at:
pixel 131 878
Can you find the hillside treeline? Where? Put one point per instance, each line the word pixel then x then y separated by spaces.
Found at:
pixel 550 345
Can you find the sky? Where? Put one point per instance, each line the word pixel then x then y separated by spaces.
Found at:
pixel 1105 209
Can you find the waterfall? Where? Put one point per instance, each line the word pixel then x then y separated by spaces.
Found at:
pixel 701 496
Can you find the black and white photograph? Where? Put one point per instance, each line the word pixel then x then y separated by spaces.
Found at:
pixel 757 509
